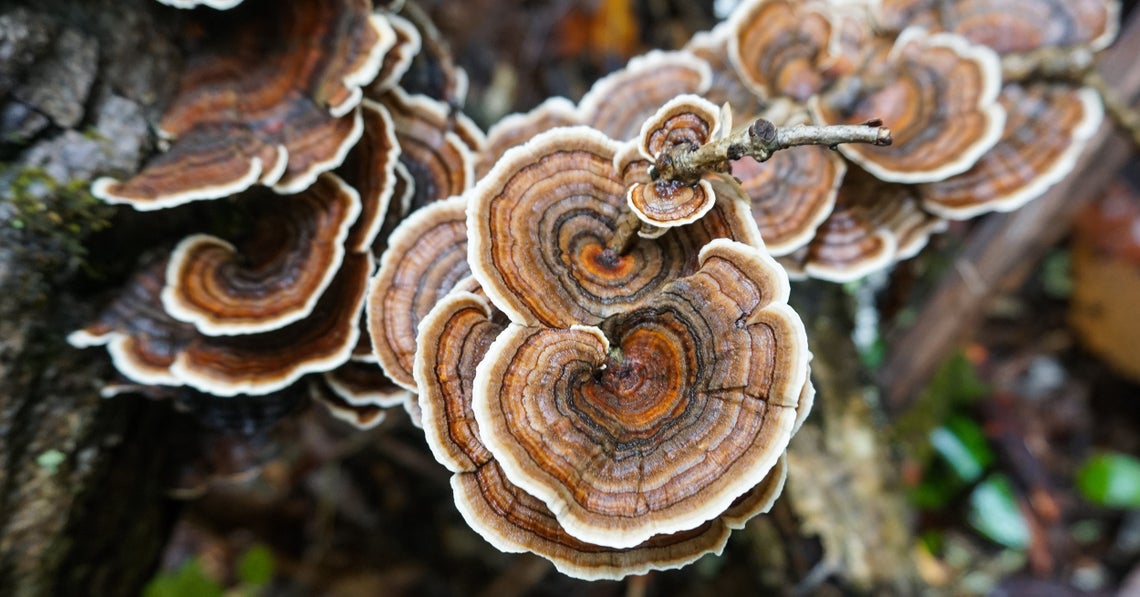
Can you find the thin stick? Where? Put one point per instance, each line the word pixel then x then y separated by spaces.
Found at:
pixel 759 141
pixel 625 233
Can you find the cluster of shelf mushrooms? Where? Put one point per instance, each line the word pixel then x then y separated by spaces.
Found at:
pixel 583 308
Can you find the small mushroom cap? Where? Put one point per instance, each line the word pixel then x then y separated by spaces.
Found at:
pixel 668 204
pixel 781 47
pixel 363 383
pixel 276 275
pixel 370 169
pixel 662 430
pixel 262 363
pixel 686 120
pixel 937 93
pixel 362 416
pixel 1010 26
pixel 437 147
pixel 1046 129
pixel 215 4
pixel 539 223
pixel 398 59
pixel 620 102
pixel 252 109
pixel 141 338
pixel 426 257
pixel 453 338
pixel 515 129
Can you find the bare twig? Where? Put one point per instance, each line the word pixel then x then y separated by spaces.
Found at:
pixel 759 141
pixel 625 233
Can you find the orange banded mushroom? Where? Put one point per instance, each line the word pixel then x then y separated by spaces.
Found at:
pixel 398 59
pixel 268 100
pixel 688 408
pixel 454 337
pixel 620 102
pixel 515 129
pixel 426 257
pixel 782 47
pixel 540 221
pixel 726 87
pixel 272 278
pixel 1046 129
pixel 361 416
pixel 370 168
pixel 938 94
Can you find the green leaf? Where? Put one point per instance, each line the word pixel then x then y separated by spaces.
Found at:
pixel 1111 479
pixel 255 567
pixel 995 514
pixel 50 460
pixel 188 581
pixel 956 382
pixel 962 444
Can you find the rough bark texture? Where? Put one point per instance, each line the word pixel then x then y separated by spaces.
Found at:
pixel 81 509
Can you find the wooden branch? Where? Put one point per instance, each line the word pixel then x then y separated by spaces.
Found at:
pixel 759 141
pixel 1005 248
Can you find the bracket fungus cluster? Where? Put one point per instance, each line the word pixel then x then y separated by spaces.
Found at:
pixel 585 308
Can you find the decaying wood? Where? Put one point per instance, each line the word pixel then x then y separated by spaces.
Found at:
pixel 1005 248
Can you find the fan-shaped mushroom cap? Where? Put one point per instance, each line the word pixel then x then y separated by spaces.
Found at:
pixel 620 102
pixel 1013 25
pixel 437 147
pixel 363 383
pixel 141 338
pixel 272 279
pixel 253 109
pixel 686 120
pixel 453 338
pixel 262 363
pixel 216 4
pixel 873 225
pixel 1047 127
pixel 362 416
pixel 426 257
pixel 516 129
pixel 782 47
pixel 398 208
pixel 398 58
pixel 540 221
pixel 688 409
pixel 937 93
pixel 370 169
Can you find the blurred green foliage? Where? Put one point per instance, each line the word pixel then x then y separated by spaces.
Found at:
pixel 1110 479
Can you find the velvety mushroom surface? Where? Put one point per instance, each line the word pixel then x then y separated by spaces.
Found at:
pixel 540 222
pixel 276 275
pixel 454 337
pixel 266 100
pixel 426 257
pixel 515 129
pixel 781 47
pixel 937 93
pixel 1046 129
pixel 656 421
pixel 370 169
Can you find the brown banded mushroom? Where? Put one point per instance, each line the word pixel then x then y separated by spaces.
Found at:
pixel 782 47
pixel 426 257
pixel 726 87
pixel 1012 25
pixel 938 94
pixel 362 415
pixel 1047 127
pixel 515 129
pixel 254 109
pixel 265 362
pixel 684 121
pixel 437 146
pixel 273 277
pixel 874 224
pixel 661 429
pixel 540 223
pixel 398 58
pixel 793 192
pixel 620 102
pixel 370 168
pixel 215 4
pixel 454 337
